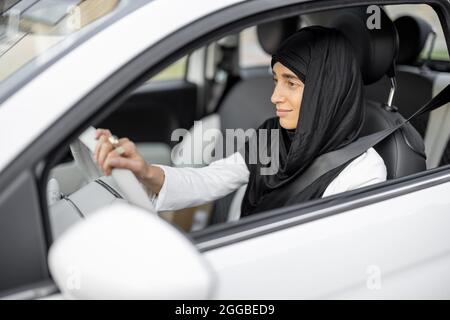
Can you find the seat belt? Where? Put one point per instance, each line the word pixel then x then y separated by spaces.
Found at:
pixel 331 160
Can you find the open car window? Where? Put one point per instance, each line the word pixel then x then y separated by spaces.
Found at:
pixel 151 114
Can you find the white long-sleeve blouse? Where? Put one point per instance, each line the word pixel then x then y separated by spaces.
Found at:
pixel 189 187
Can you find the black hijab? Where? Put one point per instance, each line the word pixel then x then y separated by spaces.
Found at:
pixel 331 116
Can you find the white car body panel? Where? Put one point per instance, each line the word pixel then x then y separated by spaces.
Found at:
pixel 91 66
pixel 394 249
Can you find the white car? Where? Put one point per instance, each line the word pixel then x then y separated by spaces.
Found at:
pixel 68 66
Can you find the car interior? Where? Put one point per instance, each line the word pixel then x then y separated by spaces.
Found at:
pixel 227 84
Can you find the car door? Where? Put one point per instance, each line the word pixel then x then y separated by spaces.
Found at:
pixel 393 245
pixel 23 241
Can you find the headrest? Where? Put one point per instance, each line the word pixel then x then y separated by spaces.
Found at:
pixel 271 34
pixel 412 35
pixel 230 41
pixel 375 48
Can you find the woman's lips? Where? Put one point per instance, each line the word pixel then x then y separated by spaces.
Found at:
pixel 282 112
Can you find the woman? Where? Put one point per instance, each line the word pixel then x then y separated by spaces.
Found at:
pixel 319 107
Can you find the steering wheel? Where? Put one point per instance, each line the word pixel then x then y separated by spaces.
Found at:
pixel 83 149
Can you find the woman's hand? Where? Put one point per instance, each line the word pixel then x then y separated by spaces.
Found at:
pixel 108 157
pixel 125 155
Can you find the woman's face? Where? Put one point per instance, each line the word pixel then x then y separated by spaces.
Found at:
pixel 287 95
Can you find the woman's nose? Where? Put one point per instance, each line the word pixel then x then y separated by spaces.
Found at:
pixel 276 97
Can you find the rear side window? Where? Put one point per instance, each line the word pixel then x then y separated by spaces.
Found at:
pixel 176 71
pixel 250 52
pixel 425 12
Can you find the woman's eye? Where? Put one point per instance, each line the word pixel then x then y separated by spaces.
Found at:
pixel 291 84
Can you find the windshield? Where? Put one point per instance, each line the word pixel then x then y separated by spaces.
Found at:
pixel 29 28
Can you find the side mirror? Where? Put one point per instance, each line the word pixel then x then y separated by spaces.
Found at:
pixel 122 252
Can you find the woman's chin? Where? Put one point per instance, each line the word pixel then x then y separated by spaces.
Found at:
pixel 286 124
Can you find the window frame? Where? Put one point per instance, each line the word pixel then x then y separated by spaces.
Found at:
pixel 285 217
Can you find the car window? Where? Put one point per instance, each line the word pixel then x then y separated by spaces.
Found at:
pixel 169 107
pixel 426 13
pixel 250 52
pixel 28 29
pixel 176 71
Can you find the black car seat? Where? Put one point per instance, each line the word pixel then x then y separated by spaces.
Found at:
pixel 417 84
pixel 421 85
pixel 414 84
pixel 376 50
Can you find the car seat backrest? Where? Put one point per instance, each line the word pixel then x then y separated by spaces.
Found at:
pixel 419 85
pixel 377 49
pixel 414 89
pixel 416 84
